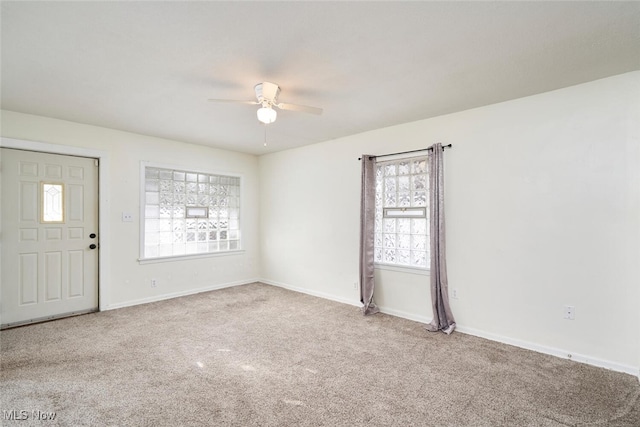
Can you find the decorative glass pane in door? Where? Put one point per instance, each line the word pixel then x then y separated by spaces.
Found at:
pixel 52 202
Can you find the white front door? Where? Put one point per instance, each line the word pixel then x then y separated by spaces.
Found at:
pixel 49 236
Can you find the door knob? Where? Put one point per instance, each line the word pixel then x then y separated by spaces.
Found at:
pixel 92 235
pixel 92 246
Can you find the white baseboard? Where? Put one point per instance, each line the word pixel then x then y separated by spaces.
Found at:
pixel 311 292
pixel 405 315
pixel 178 294
pixel 564 354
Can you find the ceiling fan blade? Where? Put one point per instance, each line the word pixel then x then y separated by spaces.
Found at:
pixel 303 108
pixel 233 101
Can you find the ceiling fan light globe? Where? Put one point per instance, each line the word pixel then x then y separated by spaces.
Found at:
pixel 267 115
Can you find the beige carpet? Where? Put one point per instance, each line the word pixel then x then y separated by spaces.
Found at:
pixel 257 355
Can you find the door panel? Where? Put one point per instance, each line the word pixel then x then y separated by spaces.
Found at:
pixel 28 199
pixel 27 281
pixel 49 210
pixel 76 274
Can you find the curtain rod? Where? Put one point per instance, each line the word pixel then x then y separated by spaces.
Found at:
pixel 407 152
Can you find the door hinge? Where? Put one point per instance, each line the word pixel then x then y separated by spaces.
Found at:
pixel 96 162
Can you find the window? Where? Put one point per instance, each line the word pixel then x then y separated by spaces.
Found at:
pixel 401 231
pixel 52 202
pixel 187 213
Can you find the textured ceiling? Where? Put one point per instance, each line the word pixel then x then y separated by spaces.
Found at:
pixel 149 67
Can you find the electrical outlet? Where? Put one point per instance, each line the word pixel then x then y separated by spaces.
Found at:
pixel 454 295
pixel 569 312
pixel 154 283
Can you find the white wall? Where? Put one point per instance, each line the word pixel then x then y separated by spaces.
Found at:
pixel 128 281
pixel 542 198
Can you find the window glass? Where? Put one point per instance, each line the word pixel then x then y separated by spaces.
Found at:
pixel 401 231
pixel 52 202
pixel 189 213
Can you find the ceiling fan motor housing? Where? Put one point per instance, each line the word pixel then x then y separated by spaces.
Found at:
pixel 267 92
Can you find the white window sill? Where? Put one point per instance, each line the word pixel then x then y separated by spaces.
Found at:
pixel 189 256
pixel 403 269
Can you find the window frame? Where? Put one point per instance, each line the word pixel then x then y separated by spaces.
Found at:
pixel 404 268
pixel 142 188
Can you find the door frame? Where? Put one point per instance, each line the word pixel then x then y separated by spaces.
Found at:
pixel 104 266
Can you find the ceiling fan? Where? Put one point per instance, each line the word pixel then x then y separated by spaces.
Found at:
pixel 267 96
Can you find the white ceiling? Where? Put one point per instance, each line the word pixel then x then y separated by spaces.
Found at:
pixel 149 67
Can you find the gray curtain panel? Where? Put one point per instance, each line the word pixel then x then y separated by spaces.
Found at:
pixel 367 230
pixel 442 316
